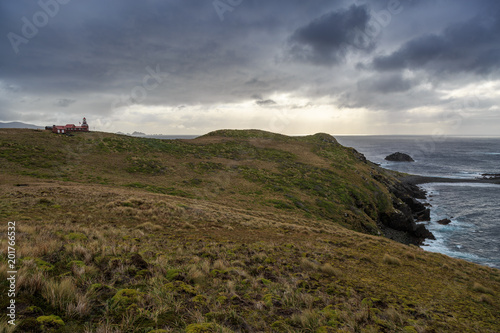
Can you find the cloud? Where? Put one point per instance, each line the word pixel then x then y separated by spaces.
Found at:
pixel 92 53
pixel 385 84
pixel 257 83
pixel 327 39
pixel 265 102
pixel 64 102
pixel 472 46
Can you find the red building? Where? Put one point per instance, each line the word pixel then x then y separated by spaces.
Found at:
pixel 84 127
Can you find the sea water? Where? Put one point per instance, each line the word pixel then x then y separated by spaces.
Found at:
pixel 473 208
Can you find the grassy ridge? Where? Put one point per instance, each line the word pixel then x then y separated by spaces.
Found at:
pixel 309 176
pixel 142 235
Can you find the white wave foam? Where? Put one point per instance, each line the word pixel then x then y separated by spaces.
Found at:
pixel 460 185
pixel 439 246
pixel 467 175
pixel 444 233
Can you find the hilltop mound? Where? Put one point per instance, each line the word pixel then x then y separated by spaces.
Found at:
pixel 247 134
pixel 260 134
pixel 223 233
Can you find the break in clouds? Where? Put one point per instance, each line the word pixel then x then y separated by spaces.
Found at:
pixel 189 67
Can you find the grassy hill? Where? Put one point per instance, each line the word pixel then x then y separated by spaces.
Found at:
pixel 235 231
pixel 310 176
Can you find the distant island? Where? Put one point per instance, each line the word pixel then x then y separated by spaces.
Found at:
pixel 17 124
pixel 135 133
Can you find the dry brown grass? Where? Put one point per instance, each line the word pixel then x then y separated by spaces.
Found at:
pixel 328 269
pixel 390 260
pixel 264 273
pixel 31 279
pixel 482 289
pixel 308 264
pixel 486 299
pixel 60 294
pixel 196 275
pixel 148 226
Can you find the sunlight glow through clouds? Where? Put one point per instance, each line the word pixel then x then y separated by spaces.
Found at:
pixel 484 89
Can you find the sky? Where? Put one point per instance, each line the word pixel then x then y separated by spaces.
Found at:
pixel 398 67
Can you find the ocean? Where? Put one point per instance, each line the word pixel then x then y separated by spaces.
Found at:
pixel 474 208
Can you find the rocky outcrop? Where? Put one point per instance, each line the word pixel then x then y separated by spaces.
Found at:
pixel 444 221
pixel 358 155
pixel 490 176
pixel 399 157
pixel 407 210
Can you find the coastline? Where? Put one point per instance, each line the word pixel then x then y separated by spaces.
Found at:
pixel 403 227
pixel 417 180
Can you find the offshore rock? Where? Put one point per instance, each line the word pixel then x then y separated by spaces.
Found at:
pixel 444 221
pixel 399 157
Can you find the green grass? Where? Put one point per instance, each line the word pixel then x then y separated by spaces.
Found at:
pixel 237 231
pixel 338 182
pixel 159 189
pixel 227 273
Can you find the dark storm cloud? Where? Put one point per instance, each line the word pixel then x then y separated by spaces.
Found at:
pixel 266 102
pixel 64 102
pixel 105 47
pixel 398 102
pixel 327 39
pixel 257 83
pixel 471 46
pixel 95 52
pixel 87 46
pixel 386 84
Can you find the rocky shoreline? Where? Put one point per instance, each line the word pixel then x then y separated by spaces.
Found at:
pixel 417 180
pixel 490 176
pixel 401 225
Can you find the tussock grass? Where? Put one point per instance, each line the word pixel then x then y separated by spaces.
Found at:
pixel 328 269
pixel 308 264
pixel 410 255
pixel 81 306
pixel 482 289
pixel 3 270
pixel 196 275
pixel 486 299
pixel 31 279
pixel 219 264
pixel 148 226
pixel 220 261
pixel 60 294
pixel 390 260
pixel 5 327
